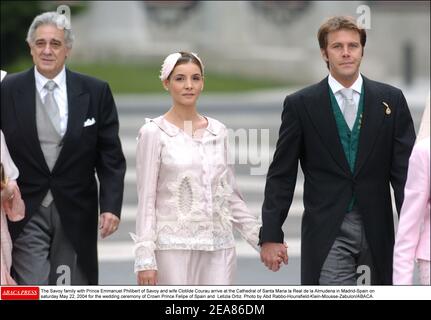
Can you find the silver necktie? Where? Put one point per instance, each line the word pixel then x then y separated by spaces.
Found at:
pixel 348 106
pixel 51 105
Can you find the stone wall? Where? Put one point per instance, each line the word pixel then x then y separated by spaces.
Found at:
pixel 274 39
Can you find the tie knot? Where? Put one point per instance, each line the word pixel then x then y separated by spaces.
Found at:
pixel 347 93
pixel 50 86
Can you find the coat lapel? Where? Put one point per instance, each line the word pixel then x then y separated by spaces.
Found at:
pixel 25 106
pixel 372 118
pixel 320 111
pixel 78 102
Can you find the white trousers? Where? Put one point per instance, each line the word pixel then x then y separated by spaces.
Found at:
pixel 196 267
pixel 424 272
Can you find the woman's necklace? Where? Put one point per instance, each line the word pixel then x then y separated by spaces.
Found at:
pixel 187 125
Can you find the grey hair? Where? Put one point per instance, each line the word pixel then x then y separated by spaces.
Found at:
pixel 55 19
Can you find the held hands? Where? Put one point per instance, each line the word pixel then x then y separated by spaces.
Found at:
pixel 272 254
pixel 108 224
pixel 147 277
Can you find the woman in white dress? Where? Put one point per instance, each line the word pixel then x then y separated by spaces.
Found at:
pixel 188 199
pixel 12 207
pixel 412 242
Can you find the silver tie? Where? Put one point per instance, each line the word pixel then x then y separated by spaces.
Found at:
pixel 51 105
pixel 349 106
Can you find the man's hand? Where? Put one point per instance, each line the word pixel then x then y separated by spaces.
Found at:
pixel 108 224
pixel 147 277
pixel 272 254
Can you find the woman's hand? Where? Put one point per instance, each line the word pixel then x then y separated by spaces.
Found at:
pixel 7 193
pixel 12 202
pixel 147 277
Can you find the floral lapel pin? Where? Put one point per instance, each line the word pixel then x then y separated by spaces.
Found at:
pixel 387 110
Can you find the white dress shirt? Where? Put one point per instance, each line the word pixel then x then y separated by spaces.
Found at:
pixel 60 94
pixel 336 87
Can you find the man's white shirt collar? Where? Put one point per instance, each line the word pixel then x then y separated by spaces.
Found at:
pixel 41 80
pixel 336 86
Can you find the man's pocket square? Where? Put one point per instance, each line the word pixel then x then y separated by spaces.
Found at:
pixel 89 122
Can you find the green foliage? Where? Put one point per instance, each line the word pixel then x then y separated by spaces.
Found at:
pixel 123 78
pixel 16 17
pixel 132 78
pixel 19 65
pixel 137 79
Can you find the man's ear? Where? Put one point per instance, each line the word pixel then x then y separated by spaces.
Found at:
pixel 68 52
pixel 324 55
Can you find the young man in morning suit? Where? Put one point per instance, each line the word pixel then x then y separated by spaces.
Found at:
pixel 353 137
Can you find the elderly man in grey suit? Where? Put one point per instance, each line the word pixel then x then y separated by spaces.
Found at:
pixel 62 129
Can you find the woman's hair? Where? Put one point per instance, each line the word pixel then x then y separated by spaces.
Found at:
pixel 178 58
pixel 3 176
